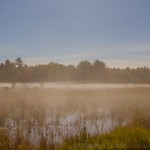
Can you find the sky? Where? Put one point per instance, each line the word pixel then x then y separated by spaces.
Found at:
pixel 68 31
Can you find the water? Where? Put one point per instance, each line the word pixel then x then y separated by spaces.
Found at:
pixel 56 128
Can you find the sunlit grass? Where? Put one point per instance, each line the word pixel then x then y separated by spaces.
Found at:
pixel 120 138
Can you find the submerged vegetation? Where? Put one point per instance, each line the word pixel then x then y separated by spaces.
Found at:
pixel 85 71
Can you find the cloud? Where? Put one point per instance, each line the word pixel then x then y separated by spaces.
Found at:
pixel 115 55
pixel 122 55
pixel 64 59
pixel 123 63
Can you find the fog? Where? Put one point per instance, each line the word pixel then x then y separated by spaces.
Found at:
pixel 65 97
pixel 71 85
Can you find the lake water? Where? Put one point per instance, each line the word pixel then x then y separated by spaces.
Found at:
pixel 57 129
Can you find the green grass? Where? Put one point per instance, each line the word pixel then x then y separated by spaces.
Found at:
pixel 120 138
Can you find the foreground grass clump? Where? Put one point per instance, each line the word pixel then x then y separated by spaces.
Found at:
pixel 18 144
pixel 120 138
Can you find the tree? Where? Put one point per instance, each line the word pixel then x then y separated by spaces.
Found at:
pixel 99 65
pixel 84 69
pixel 99 69
pixel 7 71
pixel 20 76
pixel 19 62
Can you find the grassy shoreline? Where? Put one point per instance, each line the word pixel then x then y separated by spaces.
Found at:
pixel 27 110
pixel 120 138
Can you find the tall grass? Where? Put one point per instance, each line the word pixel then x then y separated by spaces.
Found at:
pixel 33 124
pixel 23 122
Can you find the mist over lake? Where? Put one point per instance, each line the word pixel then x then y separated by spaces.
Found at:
pixel 72 85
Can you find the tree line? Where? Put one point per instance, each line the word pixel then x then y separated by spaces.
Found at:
pixel 85 71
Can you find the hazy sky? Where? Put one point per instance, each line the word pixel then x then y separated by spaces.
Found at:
pixel 67 31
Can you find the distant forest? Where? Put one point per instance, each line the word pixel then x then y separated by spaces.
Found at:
pixel 85 71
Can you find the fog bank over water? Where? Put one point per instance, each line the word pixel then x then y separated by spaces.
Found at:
pixel 74 85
